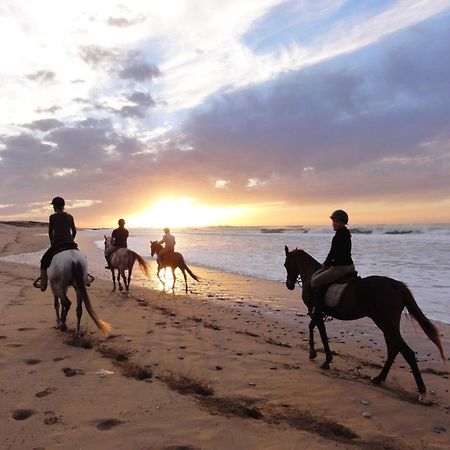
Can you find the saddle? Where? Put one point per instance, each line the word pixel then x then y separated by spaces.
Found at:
pixel 334 291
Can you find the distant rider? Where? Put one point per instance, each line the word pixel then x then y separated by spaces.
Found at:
pixel 169 244
pixel 62 232
pixel 119 238
pixel 338 262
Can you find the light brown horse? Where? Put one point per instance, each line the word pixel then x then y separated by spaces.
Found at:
pixel 172 260
pixel 380 298
pixel 123 259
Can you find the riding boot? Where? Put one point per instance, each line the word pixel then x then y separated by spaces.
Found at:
pixel 318 294
pixel 44 279
pixel 109 263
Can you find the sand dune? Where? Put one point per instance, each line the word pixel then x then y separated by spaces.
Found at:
pixel 210 370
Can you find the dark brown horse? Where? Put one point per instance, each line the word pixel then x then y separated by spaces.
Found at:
pixel 380 298
pixel 172 260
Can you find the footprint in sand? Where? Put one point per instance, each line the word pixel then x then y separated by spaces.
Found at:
pixel 3 337
pixel 22 414
pixel 14 345
pixel 69 372
pixel 25 329
pixel 45 392
pixel 107 424
pixel 32 361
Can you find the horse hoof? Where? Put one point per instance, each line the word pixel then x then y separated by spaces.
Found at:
pixel 121 288
pixel 325 366
pixel 425 400
pixel 312 354
pixel 63 327
pixel 376 380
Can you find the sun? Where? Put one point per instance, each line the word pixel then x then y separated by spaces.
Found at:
pixel 183 212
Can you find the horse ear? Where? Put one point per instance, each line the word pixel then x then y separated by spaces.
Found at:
pixel 104 236
pixel 286 250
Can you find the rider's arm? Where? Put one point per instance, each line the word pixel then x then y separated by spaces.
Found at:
pixel 50 228
pixel 162 241
pixel 73 228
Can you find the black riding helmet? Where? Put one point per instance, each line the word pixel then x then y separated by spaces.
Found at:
pixel 58 202
pixel 340 216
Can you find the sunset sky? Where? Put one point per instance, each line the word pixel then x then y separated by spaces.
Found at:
pixel 205 112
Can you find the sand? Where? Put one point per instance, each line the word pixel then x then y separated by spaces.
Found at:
pixel 224 367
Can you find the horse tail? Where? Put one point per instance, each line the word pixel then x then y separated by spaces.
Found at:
pixel 189 271
pixel 143 264
pixel 427 326
pixel 78 275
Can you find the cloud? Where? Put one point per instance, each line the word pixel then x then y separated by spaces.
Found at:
pixel 42 76
pixel 122 22
pixel 97 56
pixel 140 71
pixel 44 124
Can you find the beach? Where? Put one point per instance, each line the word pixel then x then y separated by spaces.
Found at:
pixel 224 367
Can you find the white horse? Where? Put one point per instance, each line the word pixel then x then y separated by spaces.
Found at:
pixel 69 268
pixel 123 259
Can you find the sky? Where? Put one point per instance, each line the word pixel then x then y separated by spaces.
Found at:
pixel 205 112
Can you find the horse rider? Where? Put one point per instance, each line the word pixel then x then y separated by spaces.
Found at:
pixel 119 238
pixel 338 262
pixel 62 232
pixel 169 244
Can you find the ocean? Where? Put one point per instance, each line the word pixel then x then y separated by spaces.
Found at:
pixel 416 255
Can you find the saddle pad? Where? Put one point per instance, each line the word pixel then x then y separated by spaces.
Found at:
pixel 333 294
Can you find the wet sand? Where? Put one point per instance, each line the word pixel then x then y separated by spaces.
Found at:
pixel 224 367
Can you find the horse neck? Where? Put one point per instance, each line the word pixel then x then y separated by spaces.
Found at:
pixel 306 265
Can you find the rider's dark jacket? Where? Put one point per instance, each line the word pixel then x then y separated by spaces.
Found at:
pixel 341 249
pixel 120 236
pixel 62 232
pixel 61 228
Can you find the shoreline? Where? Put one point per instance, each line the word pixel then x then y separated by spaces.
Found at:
pixel 227 337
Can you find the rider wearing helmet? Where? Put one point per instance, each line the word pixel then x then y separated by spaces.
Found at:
pixel 119 238
pixel 169 243
pixel 338 262
pixel 62 232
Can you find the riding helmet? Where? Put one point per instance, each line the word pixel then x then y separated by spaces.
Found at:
pixel 340 216
pixel 58 202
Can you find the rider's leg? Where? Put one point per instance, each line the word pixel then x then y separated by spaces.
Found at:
pixel 46 260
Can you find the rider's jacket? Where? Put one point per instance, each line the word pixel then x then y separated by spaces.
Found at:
pixel 341 249
pixel 169 242
pixel 61 228
pixel 120 236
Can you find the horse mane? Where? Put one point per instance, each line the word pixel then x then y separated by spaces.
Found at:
pixel 306 257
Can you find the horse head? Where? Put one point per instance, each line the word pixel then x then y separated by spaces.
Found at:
pixel 107 241
pixel 298 263
pixel 155 247
pixel 291 269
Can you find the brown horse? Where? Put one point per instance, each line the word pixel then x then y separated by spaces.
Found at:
pixel 172 260
pixel 380 298
pixel 123 259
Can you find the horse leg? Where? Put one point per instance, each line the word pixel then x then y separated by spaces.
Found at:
pixel 174 278
pixel 79 311
pixel 410 358
pixel 130 271
pixel 326 347
pixel 114 280
pixel 392 352
pixel 118 280
pixel 312 350
pixel 58 319
pixel 64 311
pixel 185 278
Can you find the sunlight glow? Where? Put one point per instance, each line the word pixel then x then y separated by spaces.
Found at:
pixel 184 212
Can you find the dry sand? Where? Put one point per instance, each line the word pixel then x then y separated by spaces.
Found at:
pixel 220 368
